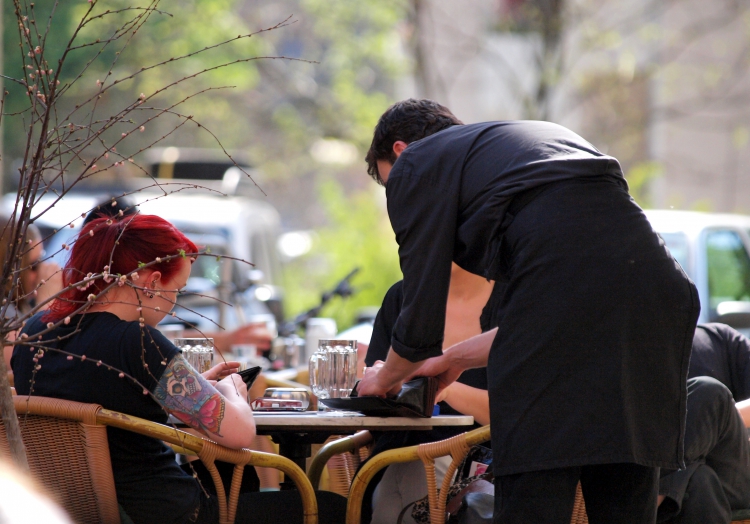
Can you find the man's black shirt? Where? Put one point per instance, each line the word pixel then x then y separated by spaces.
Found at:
pixel 447 198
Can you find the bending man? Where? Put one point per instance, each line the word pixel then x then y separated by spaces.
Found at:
pixel 587 373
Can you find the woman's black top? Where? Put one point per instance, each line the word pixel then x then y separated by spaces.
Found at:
pixel 589 365
pixel 150 485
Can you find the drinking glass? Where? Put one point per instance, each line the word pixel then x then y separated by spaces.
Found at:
pixel 319 374
pixel 342 366
pixel 199 352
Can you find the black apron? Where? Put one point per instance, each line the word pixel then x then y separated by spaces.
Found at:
pixel 590 361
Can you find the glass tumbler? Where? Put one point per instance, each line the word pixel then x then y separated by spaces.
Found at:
pixel 342 366
pixel 319 375
pixel 199 352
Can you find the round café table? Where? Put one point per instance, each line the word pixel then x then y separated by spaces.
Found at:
pixel 295 431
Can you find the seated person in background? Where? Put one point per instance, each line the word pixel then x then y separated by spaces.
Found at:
pixel 248 334
pixel 723 353
pixel 90 328
pixel 33 270
pixel 402 484
pixel 717 478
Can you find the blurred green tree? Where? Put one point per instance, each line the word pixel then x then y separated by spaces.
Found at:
pixel 190 27
pixel 358 235
pixel 274 113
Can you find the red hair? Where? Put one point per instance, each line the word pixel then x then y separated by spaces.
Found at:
pixel 123 244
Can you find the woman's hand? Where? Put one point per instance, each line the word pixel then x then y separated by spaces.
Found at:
pixel 233 389
pixel 467 400
pixel 221 370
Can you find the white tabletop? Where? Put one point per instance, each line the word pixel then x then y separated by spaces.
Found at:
pixel 350 422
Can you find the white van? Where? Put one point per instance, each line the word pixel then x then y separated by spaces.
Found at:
pixel 714 250
pixel 230 225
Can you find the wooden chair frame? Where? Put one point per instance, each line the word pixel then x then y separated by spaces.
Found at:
pixel 207 450
pixel 457 447
pixel 348 444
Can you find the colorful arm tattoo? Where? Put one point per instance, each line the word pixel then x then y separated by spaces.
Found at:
pixel 184 393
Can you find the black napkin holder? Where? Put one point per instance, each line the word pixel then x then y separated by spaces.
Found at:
pixel 416 399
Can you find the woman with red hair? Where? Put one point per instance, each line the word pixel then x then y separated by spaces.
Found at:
pixel 98 343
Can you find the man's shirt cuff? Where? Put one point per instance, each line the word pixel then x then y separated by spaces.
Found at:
pixel 415 354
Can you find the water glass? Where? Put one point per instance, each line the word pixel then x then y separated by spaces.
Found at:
pixel 199 352
pixel 342 356
pixel 333 368
pixel 319 373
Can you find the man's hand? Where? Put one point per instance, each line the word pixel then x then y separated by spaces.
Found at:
pixel 369 385
pixel 743 407
pixel 440 368
pixel 386 378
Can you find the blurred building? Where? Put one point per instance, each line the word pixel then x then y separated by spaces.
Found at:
pixel 663 86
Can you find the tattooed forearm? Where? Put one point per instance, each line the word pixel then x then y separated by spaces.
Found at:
pixel 188 396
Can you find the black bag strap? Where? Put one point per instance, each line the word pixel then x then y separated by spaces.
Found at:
pixel 403 512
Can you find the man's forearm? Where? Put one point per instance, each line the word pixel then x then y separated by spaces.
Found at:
pixel 473 352
pixel 396 369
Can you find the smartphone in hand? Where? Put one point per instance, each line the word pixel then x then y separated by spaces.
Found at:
pixel 249 375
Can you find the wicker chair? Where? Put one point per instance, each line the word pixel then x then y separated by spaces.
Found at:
pixel 66 445
pixel 341 456
pixel 456 447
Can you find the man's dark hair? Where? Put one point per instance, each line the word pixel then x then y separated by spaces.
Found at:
pixel 409 120
pixel 111 208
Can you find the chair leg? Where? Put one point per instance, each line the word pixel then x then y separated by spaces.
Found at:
pixel 579 508
pixel 269 477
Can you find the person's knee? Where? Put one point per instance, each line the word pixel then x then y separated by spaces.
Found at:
pixel 704 480
pixel 708 389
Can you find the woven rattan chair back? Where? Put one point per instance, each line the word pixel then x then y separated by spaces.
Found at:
pixel 68 456
pixel 342 467
pixel 341 456
pixel 67 442
pixel 579 509
pixel 209 452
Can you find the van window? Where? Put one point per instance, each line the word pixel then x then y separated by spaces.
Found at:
pixel 677 243
pixel 728 267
